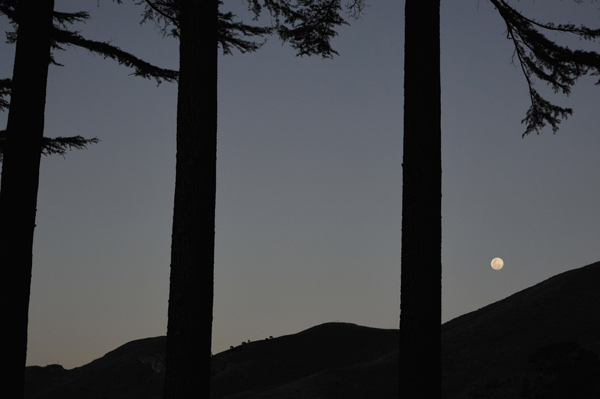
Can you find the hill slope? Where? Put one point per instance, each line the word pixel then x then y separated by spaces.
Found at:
pixel 332 360
pixel 485 353
pixel 492 345
pixel 133 370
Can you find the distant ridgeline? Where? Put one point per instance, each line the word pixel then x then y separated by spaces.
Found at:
pixel 542 342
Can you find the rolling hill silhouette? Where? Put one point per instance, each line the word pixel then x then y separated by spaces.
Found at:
pixel 542 342
pixel 488 350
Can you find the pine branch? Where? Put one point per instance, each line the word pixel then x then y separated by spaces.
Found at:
pixel 230 34
pixel 8 8
pixel 106 50
pixel 63 36
pixel 542 113
pixel 63 19
pixel 58 145
pixel 558 66
pixel 307 25
pixel 165 11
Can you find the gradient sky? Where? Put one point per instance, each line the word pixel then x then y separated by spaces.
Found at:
pixel 308 221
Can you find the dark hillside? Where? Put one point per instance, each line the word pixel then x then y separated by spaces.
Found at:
pixel 492 345
pixel 542 342
pixel 341 359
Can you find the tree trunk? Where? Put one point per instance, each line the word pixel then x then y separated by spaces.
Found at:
pixel 189 330
pixel 420 298
pixel 20 176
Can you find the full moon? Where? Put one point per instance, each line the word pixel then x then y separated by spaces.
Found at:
pixel 497 263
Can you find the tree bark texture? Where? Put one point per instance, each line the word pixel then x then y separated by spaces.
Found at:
pixel 420 298
pixel 20 176
pixel 189 330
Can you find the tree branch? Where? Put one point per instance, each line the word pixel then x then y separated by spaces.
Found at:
pixel 106 50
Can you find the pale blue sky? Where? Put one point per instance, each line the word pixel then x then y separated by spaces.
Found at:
pixel 309 183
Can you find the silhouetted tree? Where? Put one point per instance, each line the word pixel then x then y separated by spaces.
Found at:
pixel 539 57
pixel 308 26
pixel 192 256
pixel 20 174
pixel 420 283
pixel 39 30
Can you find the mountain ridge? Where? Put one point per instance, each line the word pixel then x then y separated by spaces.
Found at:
pixel 562 308
pixel 492 352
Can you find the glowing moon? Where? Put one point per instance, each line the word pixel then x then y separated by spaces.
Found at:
pixel 497 263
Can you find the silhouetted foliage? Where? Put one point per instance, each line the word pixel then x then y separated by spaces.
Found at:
pixel 61 36
pixel 544 59
pixel 57 145
pixel 61 39
pixel 307 25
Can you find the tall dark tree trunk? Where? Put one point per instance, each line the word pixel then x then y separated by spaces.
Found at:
pixel 189 330
pixel 420 298
pixel 20 177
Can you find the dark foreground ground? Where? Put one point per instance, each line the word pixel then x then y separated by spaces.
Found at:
pixel 542 342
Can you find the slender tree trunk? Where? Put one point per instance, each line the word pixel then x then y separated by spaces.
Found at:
pixel 20 177
pixel 420 298
pixel 189 330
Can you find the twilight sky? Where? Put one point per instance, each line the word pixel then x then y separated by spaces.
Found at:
pixel 308 221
